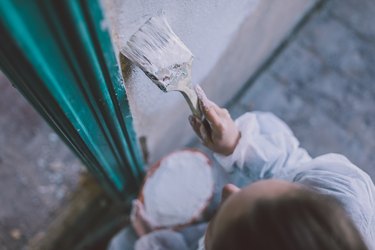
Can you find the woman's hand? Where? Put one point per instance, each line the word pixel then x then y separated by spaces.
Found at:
pixel 142 225
pixel 217 130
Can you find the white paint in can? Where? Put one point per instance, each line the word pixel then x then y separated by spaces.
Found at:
pixel 178 191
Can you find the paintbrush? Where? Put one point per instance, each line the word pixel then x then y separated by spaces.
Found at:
pixel 164 58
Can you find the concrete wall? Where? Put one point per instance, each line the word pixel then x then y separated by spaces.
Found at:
pixel 230 40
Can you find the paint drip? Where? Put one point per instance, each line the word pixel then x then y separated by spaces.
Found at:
pixel 179 189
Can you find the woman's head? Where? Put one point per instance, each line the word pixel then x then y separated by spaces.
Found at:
pixel 279 215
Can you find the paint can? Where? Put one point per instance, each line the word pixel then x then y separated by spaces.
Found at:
pixel 178 189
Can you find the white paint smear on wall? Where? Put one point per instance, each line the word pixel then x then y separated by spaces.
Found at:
pixel 205 26
pixel 229 39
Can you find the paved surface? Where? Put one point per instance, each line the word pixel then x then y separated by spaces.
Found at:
pixel 37 171
pixel 321 85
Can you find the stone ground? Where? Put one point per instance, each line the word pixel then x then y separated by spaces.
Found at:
pixel 321 85
pixel 37 171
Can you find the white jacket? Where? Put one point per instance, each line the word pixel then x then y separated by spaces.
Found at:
pixel 269 150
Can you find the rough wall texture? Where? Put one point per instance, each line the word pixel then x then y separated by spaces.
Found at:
pixel 230 40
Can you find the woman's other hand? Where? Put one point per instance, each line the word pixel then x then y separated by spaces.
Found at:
pixel 142 225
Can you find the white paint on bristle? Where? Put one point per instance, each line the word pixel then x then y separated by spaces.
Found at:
pixel 158 51
pixel 179 189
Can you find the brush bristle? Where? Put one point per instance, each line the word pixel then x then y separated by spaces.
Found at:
pixel 155 47
pixel 155 43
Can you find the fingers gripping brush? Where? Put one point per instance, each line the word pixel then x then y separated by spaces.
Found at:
pixel 164 58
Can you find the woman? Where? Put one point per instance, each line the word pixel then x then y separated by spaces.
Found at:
pixel 293 201
pixel 283 198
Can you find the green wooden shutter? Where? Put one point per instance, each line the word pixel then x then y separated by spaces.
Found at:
pixel 59 55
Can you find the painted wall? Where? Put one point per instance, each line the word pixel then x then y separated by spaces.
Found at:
pixel 230 40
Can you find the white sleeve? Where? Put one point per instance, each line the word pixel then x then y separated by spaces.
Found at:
pixel 161 240
pixel 267 148
pixel 335 175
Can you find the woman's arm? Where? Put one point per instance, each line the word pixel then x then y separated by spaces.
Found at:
pixel 256 146
pixel 336 176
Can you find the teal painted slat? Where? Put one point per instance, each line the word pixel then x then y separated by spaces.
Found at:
pixel 60 57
